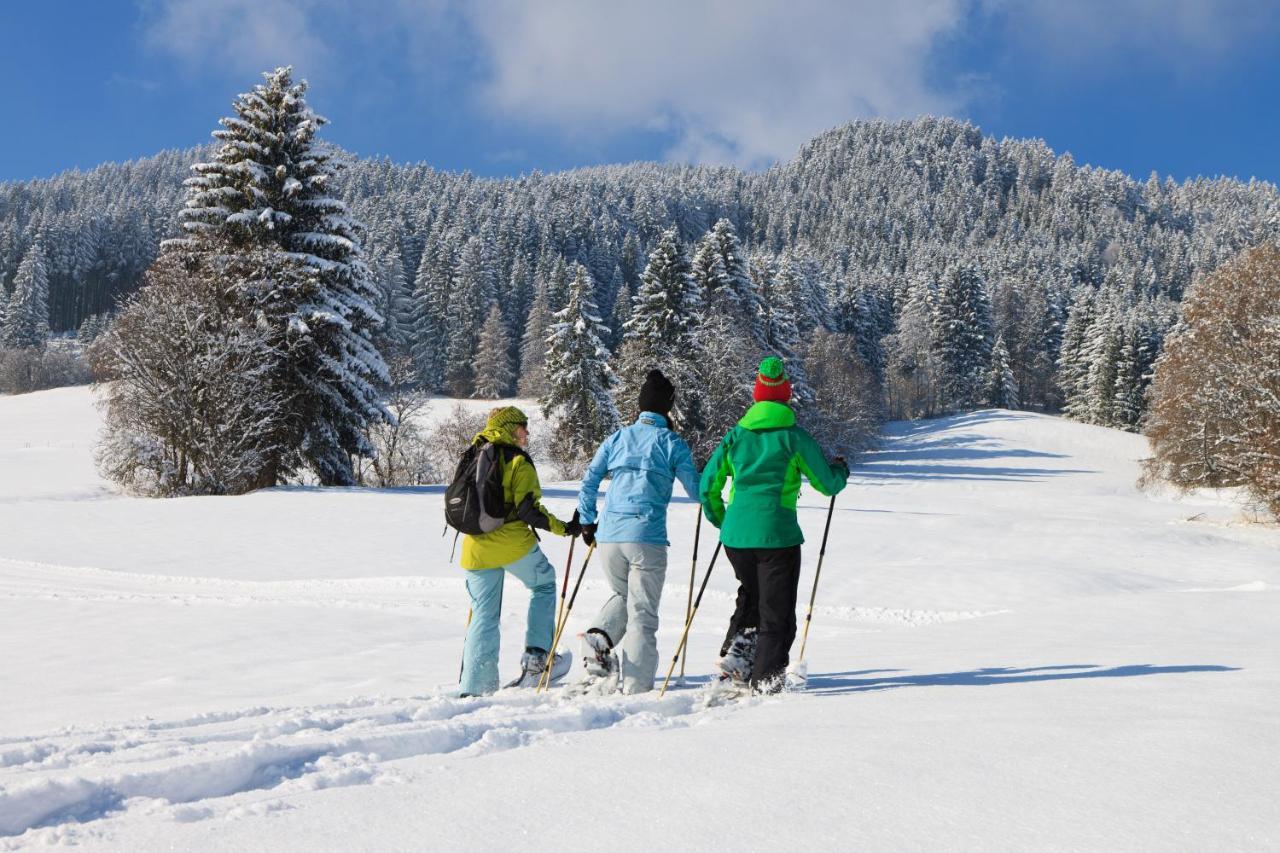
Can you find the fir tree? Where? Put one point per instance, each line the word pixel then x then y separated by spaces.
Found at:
pixel 708 271
pixel 779 331
pixel 1130 385
pixel 911 376
pixel 533 345
pixel 622 306
pixel 26 318
pixel 395 301
pixel 661 333
pixel 963 338
pixel 1001 387
pixel 268 189
pixel 1073 355
pixel 736 297
pixel 494 375
pixel 473 289
pixel 432 289
pixel 578 378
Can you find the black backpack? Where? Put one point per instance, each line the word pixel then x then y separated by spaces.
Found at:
pixel 474 503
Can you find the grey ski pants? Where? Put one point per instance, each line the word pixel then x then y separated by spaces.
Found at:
pixel 635 572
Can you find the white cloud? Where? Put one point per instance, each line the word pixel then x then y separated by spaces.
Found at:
pixel 242 36
pixel 740 82
pixel 729 81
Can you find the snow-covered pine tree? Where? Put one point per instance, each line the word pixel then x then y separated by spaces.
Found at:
pixel 269 188
pixel 432 290
pixel 963 337
pixel 1073 355
pixel 533 344
pixel 854 313
pixel 26 318
pixel 911 376
pixel 1001 387
pixel 474 288
pixel 395 301
pixel 725 377
pixel 493 373
pixel 93 327
pixel 631 260
pixel 1102 348
pixel 1126 403
pixel 799 279
pixel 622 306
pixel 558 283
pixel 779 332
pixel 707 269
pixel 578 378
pixel 737 298
pixel 662 333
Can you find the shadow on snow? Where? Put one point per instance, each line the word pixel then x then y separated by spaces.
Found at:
pixel 837 683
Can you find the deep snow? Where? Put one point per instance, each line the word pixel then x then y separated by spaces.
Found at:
pixel 1013 649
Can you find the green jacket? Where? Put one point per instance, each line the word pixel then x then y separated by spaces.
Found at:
pixel 516 538
pixel 765 454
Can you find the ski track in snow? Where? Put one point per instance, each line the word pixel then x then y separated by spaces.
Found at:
pixel 26 580
pixel 50 784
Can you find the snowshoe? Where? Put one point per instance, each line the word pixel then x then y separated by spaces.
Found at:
pixel 797 678
pixel 736 665
pixel 723 691
pixel 594 685
pixel 600 663
pixel 534 661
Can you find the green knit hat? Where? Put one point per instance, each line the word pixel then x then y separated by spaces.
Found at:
pixel 506 418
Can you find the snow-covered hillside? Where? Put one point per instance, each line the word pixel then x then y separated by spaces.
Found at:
pixel 272 672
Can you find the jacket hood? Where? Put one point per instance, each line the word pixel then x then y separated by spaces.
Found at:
pixel 768 415
pixel 496 435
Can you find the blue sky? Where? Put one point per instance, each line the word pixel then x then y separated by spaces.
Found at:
pixel 1181 87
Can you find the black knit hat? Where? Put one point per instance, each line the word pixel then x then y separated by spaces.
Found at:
pixel 657 394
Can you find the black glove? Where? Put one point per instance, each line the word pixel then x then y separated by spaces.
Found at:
pixel 840 463
pixel 589 534
pixel 573 527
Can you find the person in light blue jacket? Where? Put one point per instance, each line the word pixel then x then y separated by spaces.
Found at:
pixel 643 461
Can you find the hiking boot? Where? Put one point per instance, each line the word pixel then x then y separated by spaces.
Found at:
pixel 598 658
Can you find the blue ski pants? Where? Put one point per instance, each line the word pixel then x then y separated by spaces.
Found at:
pixel 480 652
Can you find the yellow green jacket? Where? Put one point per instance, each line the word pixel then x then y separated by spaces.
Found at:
pixel 516 538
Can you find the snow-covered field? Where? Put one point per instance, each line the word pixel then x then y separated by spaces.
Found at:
pixel 1013 649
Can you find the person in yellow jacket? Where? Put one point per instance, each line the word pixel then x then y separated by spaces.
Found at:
pixel 512 548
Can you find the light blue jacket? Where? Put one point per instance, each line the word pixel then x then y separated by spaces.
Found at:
pixel 643 461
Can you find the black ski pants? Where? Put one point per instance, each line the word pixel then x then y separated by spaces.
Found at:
pixel 767 581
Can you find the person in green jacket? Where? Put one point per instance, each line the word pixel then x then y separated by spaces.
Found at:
pixel 765 454
pixel 512 548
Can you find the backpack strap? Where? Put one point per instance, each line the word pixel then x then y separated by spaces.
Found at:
pixel 506 453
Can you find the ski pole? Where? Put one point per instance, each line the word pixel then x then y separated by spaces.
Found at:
pixel 684 638
pixel 564 588
pixel 814 594
pixel 545 681
pixel 564 591
pixel 693 573
pixel 463 663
